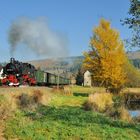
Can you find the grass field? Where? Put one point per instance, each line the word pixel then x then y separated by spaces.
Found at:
pixel 63 118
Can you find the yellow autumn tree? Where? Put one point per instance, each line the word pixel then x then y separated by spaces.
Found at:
pixel 106 57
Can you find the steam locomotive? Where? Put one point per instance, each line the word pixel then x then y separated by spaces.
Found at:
pixel 17 73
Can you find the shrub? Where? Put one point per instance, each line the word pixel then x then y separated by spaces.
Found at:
pixel 108 104
pixel 137 119
pixel 33 100
pixel 24 100
pixel 118 101
pixel 67 90
pixel 58 90
pixel 119 113
pixel 41 98
pixel 37 96
pixel 88 105
pixel 7 106
pixel 99 102
pixel 3 112
pixel 124 115
pixel 63 90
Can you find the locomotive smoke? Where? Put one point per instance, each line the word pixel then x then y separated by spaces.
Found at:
pixel 37 35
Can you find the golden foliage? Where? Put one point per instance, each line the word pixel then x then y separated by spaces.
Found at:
pixel 106 57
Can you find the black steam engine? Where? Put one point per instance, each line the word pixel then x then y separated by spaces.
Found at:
pixel 17 73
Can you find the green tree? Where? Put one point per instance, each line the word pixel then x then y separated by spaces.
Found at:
pixel 133 21
pixel 79 77
pixel 132 75
pixel 106 57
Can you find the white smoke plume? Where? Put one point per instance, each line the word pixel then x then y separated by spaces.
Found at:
pixel 37 35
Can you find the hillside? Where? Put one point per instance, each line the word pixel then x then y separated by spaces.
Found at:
pixel 72 64
pixel 68 64
pixel 134 55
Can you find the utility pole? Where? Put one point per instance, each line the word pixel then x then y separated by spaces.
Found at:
pixel 57 77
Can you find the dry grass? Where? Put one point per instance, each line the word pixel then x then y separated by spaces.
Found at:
pixel 12 98
pixel 99 102
pixel 103 102
pixel 68 90
pixel 7 106
pixel 124 115
pixel 132 90
pixel 18 90
pixel 63 90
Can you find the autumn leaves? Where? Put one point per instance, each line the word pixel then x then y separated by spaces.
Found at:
pixel 106 57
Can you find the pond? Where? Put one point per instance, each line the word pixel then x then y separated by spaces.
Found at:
pixel 134 108
pixel 134 113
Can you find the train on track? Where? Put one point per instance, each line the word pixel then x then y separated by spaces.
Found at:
pixel 17 73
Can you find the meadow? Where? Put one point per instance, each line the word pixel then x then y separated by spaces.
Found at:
pixel 41 113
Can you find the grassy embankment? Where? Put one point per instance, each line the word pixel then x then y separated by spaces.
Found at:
pixel 59 117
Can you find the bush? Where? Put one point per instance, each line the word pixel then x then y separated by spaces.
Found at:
pixel 100 102
pixel 7 106
pixel 63 90
pixel 88 106
pixel 118 101
pixel 32 100
pixel 40 97
pixel 25 100
pixel 112 106
pixel 67 90
pixel 136 119
pixel 124 115
pixel 132 75
pixel 37 96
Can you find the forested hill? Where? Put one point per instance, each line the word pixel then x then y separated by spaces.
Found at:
pixel 135 58
pixel 69 64
pixel 134 55
pixel 72 64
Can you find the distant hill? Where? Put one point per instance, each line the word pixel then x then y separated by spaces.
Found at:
pixel 134 55
pixel 67 64
pixel 72 64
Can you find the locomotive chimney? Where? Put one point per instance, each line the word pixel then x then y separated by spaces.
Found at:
pixel 12 60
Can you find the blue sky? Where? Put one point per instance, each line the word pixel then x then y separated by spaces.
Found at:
pixel 73 18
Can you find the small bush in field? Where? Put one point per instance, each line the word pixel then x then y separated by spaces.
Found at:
pixel 58 90
pixel 124 115
pixel 7 106
pixel 88 105
pixel 63 90
pixel 33 99
pixel 3 108
pixel 99 102
pixel 25 100
pixel 67 90
pixel 40 97
pixel 118 101
pixel 137 119
pixel 37 96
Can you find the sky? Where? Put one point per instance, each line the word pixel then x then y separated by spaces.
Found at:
pixel 75 19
